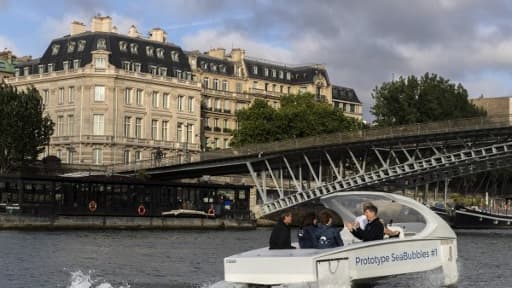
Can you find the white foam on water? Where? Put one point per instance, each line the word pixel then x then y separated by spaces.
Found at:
pixel 80 279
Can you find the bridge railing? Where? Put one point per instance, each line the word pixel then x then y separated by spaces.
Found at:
pixel 372 133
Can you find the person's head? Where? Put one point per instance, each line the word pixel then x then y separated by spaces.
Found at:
pixel 309 219
pixel 366 205
pixel 325 217
pixel 286 217
pixel 370 212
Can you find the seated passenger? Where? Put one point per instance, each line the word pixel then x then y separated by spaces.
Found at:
pixel 374 229
pixel 306 233
pixel 280 237
pixel 362 221
pixel 326 235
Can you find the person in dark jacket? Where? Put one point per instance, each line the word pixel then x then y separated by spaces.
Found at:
pixel 326 235
pixel 306 233
pixel 280 237
pixel 374 229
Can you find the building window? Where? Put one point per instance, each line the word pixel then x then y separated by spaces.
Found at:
pixel 138 128
pixel 99 63
pixel 71 125
pixel 70 157
pixel 128 96
pixel 71 46
pixel 227 106
pixel 266 72
pixel 226 143
pixel 154 99
pixel 165 100
pixel 153 70
pixel 181 99
pixel 154 129
pixel 179 132
pixel 98 124
pixel 50 68
pixel 238 87
pixel 60 125
pixel 288 76
pixel 205 83
pixel 274 87
pixel 137 67
pixel 160 53
pixel 99 93
pixel 71 95
pixel 281 74
pixel 274 73
pixel 138 155
pixel 126 66
pixel 281 88
pixel 134 48
pixel 178 74
pixel 46 97
pixel 217 105
pixel 175 56
pixel 225 86
pixel 40 69
pixel 65 65
pixel 352 108
pixel 149 51
pixel 190 104
pixel 139 97
pixel 126 156
pixel 226 124
pixel 190 129
pixel 215 84
pixel 101 44
pixel 81 45
pixel 216 122
pixel 127 126
pixel 97 157
pixel 76 64
pixel 61 95
pixel 162 71
pixel 165 127
pixel 123 46
pixel 26 71
pixel 254 69
pixel 55 49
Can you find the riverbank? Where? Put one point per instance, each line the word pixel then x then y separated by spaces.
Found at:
pixel 23 222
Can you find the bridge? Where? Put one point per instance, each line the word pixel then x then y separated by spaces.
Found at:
pixel 296 171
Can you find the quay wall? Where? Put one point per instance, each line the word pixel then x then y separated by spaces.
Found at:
pixel 23 222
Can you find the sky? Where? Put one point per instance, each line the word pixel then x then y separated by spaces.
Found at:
pixel 362 43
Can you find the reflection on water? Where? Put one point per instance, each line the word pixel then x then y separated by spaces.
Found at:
pixel 157 259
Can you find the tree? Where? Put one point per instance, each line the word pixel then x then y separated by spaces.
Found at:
pixel 299 116
pixel 25 131
pixel 412 100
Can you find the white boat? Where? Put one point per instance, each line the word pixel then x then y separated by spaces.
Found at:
pixel 426 243
pixel 186 213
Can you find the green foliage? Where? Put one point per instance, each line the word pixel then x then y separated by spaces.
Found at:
pixel 25 131
pixel 412 100
pixel 299 116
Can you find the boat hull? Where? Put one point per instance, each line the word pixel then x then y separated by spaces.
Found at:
pixel 467 219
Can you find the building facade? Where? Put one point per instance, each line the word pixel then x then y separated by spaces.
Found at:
pixel 124 98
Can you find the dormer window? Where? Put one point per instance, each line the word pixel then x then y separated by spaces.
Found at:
pixel 40 69
pixel 153 70
pixel 126 65
pixel 162 71
pixel 174 56
pixel 76 64
pixel 265 71
pixel 81 45
pixel 160 53
pixel 274 73
pixel 100 63
pixel 213 67
pixel 101 44
pixel 204 65
pixel 17 72
pixel 55 49
pixel 71 46
pixel 149 51
pixel 25 71
pixel 222 68
pixel 50 68
pixel 123 46
pixel 288 76
pixel 189 75
pixel 255 69
pixel 178 74
pixel 134 48
pixel 281 74
pixel 137 67
pixel 65 65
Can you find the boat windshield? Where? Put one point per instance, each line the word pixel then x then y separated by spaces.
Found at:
pixel 391 212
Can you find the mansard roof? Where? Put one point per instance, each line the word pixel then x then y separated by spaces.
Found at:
pixel 215 65
pixel 68 48
pixel 344 94
pixel 298 74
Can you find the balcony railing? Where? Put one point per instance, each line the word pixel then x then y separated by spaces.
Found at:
pixel 265 92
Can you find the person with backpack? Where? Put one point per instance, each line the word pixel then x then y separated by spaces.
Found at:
pixel 306 233
pixel 327 236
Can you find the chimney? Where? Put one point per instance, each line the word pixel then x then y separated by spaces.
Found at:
pixel 133 31
pixel 237 54
pixel 77 27
pixel 114 29
pixel 219 53
pixel 158 34
pixel 101 24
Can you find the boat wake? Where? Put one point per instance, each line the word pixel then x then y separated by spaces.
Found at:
pixel 79 279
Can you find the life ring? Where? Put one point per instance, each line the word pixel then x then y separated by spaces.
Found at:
pixel 92 206
pixel 141 210
pixel 211 212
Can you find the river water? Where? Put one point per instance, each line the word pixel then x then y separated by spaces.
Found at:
pixel 154 259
